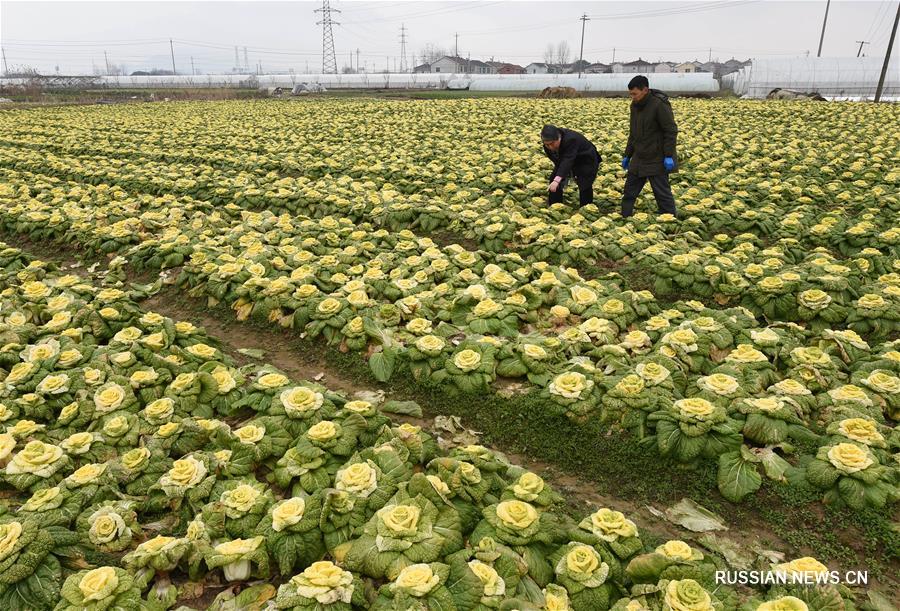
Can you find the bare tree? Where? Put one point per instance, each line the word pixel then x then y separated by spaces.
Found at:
pixel 549 54
pixel 562 53
pixel 431 53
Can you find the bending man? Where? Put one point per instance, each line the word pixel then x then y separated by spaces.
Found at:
pixel 650 153
pixel 571 153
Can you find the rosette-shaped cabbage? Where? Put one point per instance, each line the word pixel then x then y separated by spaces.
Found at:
pixel 322 586
pixel 768 420
pixel 469 369
pixel 695 428
pixel 531 488
pixel 582 571
pixel 408 530
pixel 98 589
pixel 30 575
pixel 36 465
pixel 161 553
pixel 574 394
pixel 240 558
pixel 425 586
pixel 521 526
pixel 236 508
pixel 311 464
pixel 850 474
pixel 110 526
pixel 609 528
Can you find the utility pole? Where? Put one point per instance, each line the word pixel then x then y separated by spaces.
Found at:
pixel 709 59
pixel 246 61
pixel 357 60
pixel 172 49
pixel 614 55
pixel 193 71
pixel 456 52
pixel 237 60
pixel 106 60
pixel 861 43
pixel 402 47
pixel 824 21
pixel 329 59
pixel 5 67
pixel 887 56
pixel 584 19
pixel 351 61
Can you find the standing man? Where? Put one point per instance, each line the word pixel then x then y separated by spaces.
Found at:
pixel 571 153
pixel 650 153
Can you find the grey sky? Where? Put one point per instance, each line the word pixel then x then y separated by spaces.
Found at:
pixel 283 35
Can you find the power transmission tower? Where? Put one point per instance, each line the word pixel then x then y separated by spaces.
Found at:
pixel 584 19
pixel 172 49
pixel 824 21
pixel 329 60
pixel 402 47
pixel 887 56
pixel 861 43
pixel 246 61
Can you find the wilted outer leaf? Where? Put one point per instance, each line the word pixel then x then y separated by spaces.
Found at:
pixel 253 353
pixel 880 602
pixel 736 556
pixel 692 516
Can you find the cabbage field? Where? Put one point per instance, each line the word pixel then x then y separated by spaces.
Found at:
pixel 743 357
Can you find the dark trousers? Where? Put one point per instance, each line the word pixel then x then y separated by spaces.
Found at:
pixel 665 201
pixel 584 178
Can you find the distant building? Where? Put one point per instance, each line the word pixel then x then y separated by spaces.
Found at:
pixel 598 68
pixel 506 68
pixel 733 65
pixel 663 67
pixel 461 65
pixel 542 68
pixel 574 66
pixel 638 65
pixel 617 67
pixel 687 67
pixel 422 68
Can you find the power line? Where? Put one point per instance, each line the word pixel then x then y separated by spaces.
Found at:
pixel 861 43
pixel 432 12
pixel 875 20
pixel 673 11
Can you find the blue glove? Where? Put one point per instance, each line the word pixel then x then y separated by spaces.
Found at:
pixel 669 164
pixel 625 161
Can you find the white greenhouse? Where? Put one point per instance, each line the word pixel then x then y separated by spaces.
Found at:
pixel 843 78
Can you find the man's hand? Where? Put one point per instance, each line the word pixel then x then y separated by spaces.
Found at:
pixel 669 164
pixel 625 162
pixel 555 184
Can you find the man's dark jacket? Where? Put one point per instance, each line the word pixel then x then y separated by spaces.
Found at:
pixel 652 135
pixel 575 153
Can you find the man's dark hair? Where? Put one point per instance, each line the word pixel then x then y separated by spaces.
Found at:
pixel 638 82
pixel 550 133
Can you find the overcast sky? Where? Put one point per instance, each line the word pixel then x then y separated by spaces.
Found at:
pixel 284 35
